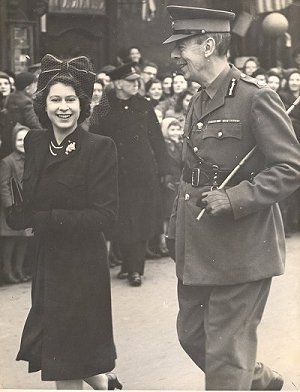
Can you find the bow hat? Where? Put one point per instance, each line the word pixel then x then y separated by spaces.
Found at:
pixel 79 67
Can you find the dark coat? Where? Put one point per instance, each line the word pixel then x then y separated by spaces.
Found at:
pixel 20 107
pixel 68 333
pixel 288 99
pixel 133 126
pixel 248 245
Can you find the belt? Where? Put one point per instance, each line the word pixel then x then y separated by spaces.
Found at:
pixel 198 177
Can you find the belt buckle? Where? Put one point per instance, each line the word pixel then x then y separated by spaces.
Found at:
pixel 195 177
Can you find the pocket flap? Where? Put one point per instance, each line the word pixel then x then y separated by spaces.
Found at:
pixel 223 130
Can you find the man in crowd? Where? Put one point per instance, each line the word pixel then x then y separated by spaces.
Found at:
pixel 225 261
pixel 130 121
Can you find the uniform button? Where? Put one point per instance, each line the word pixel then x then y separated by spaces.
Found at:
pixel 186 196
pixel 196 149
pixel 199 125
pixel 220 134
pixel 126 107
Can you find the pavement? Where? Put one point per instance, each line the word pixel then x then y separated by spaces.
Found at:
pixel 149 355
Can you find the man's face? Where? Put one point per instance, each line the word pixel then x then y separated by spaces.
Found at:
pixel 128 88
pixel 149 73
pixel 189 57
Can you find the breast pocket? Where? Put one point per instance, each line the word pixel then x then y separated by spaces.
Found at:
pixel 221 131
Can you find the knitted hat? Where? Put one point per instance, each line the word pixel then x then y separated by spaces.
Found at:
pixel 23 79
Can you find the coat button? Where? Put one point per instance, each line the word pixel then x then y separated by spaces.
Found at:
pixel 186 196
pixel 220 134
pixel 126 107
pixel 196 149
pixel 199 125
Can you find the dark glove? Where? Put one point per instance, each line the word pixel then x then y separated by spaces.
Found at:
pixel 41 222
pixel 170 242
pixel 216 202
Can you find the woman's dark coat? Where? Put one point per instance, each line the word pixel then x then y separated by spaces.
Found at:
pixel 142 158
pixel 68 333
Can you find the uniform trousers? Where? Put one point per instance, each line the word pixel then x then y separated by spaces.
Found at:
pixel 217 325
pixel 133 257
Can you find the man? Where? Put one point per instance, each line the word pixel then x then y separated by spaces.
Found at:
pixel 225 261
pixel 149 71
pixel 130 121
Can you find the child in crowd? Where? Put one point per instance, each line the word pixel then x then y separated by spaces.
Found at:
pixel 13 242
pixel 172 132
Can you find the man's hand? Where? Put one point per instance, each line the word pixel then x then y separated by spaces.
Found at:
pixel 216 202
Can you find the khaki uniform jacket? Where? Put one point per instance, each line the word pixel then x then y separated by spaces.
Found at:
pixel 249 244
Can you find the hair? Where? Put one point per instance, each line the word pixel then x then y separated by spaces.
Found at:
pixel 39 102
pixel 273 73
pixel 222 41
pixel 259 71
pixel 179 102
pixel 150 64
pixel 150 82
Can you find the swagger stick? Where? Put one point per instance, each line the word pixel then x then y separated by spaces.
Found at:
pixel 242 162
pixel 229 177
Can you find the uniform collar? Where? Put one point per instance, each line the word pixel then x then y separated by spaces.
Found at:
pixel 212 89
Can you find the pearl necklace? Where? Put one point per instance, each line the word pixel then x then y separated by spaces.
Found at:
pixel 52 145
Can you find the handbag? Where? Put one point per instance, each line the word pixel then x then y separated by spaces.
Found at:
pixel 16 193
pixel 16 217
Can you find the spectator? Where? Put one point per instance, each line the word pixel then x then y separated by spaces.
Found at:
pixel 274 80
pixel 250 66
pixel 130 121
pixel 181 107
pixel 135 57
pixel 149 71
pixel 261 75
pixel 167 86
pixel 13 242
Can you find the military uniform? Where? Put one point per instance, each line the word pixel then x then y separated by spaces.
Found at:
pixel 225 263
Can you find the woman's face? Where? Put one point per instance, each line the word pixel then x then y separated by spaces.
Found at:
pixel 179 84
pixel 250 67
pixel 20 140
pixel 294 82
pixel 63 107
pixel 186 101
pixel 167 84
pixel 155 91
pixel 5 88
pixel 274 82
pixel 135 55
pixel 97 93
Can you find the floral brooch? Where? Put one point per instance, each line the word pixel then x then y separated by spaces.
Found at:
pixel 70 147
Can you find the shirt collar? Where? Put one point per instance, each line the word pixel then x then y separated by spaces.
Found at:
pixel 212 89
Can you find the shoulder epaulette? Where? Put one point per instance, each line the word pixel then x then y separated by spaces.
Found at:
pixel 249 79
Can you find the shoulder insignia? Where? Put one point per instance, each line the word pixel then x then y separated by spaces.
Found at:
pixel 249 79
pixel 232 88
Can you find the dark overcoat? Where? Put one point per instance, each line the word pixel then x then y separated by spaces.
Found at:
pixel 249 244
pixel 68 333
pixel 133 126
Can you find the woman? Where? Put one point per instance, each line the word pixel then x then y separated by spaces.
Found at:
pixel 13 242
pixel 181 107
pixel 70 198
pixel 290 207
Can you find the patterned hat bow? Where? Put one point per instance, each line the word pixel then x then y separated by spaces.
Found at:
pixel 79 67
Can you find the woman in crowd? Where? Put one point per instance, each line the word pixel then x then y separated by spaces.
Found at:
pixel 181 107
pixel 274 80
pixel 70 198
pixel 167 81
pixel 135 57
pixel 290 207
pixel 250 66
pixel 13 242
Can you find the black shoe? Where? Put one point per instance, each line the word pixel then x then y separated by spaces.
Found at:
pixel 113 382
pixel 135 279
pixel 122 275
pixel 275 384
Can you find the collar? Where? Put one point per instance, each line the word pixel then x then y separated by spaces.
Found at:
pixel 212 89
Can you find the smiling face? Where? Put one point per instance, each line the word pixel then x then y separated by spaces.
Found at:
pixel 155 91
pixel 179 84
pixel 148 73
pixel 5 87
pixel 175 132
pixel 134 55
pixel 274 82
pixel 250 67
pixel 189 57
pixel 167 84
pixel 63 107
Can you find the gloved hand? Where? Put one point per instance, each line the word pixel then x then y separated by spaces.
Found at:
pixel 40 222
pixel 170 242
pixel 216 202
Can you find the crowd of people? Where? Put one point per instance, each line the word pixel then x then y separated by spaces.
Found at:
pixel 169 96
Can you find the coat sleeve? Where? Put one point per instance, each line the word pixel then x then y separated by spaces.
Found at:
pixel 102 196
pixel 157 143
pixel 276 140
pixel 5 192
